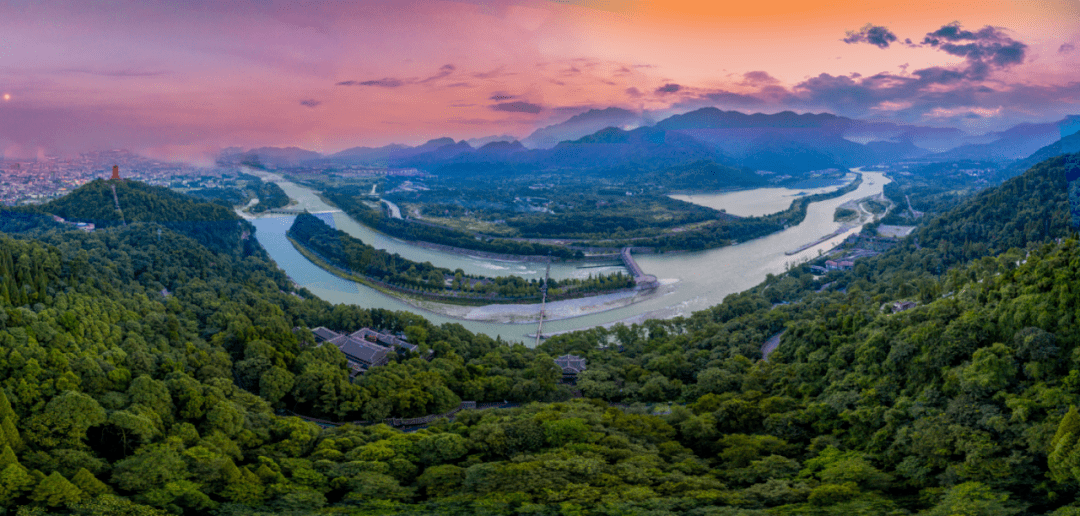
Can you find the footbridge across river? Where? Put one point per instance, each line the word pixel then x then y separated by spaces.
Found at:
pixel 642 280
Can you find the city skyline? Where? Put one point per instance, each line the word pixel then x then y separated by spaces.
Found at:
pixel 183 82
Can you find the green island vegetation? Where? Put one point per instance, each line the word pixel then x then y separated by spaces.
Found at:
pixel 118 399
pixel 607 209
pixel 240 189
pixel 842 214
pixel 876 207
pixel 352 203
pixel 270 195
pixel 364 262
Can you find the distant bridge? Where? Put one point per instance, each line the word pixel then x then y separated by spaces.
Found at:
pixel 297 210
pixel 641 279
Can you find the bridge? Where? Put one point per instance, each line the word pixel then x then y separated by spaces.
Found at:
pixel 297 211
pixel 642 280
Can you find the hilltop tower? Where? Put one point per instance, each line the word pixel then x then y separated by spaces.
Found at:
pixel 115 173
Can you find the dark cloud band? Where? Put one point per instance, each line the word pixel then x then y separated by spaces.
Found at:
pixel 876 35
pixel 518 107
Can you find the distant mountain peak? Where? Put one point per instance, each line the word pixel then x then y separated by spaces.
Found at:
pixel 439 142
pixel 582 124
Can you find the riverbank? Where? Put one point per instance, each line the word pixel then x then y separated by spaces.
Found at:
pixel 516 311
pixel 553 310
pixel 715 233
pixel 690 281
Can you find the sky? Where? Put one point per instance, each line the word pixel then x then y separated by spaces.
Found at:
pixel 181 80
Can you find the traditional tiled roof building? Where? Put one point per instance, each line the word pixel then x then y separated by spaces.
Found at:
pixel 571 365
pixel 362 348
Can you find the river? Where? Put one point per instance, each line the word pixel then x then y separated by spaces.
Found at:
pixel 697 280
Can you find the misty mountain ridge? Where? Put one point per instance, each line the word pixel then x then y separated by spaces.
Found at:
pixel 581 125
pixel 785 142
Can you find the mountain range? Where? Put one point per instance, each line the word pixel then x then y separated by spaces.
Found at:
pixel 616 138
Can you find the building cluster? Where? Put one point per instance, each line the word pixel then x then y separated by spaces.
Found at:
pixel 855 246
pixel 32 181
pixel 364 348
pixel 839 265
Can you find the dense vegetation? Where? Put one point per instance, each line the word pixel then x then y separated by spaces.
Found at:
pixel 270 194
pixel 115 399
pixel 346 252
pixel 213 225
pixel 938 187
pixel 227 197
pixel 351 202
pixel 572 211
pixel 591 211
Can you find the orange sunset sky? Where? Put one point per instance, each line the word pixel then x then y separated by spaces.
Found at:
pixel 183 79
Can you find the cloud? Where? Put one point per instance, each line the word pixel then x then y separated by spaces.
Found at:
pixel 310 103
pixel 1065 48
pixel 500 96
pixel 497 72
pixel 967 112
pixel 392 82
pixel 931 94
pixel 386 82
pixel 668 88
pixel 890 105
pixel 633 92
pixel 875 35
pixel 471 121
pixel 759 77
pixel 444 70
pixel 518 107
pixel 987 48
pixel 728 98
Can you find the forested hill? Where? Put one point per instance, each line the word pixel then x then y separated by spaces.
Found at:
pixel 117 398
pixel 1030 208
pixel 211 224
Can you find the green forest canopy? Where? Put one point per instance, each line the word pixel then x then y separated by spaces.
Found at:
pixel 118 399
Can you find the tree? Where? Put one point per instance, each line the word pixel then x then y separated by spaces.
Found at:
pixel 112 505
pixel 9 434
pixel 15 480
pixel 55 491
pixel 439 481
pixel 89 484
pixel 973 499
pixel 152 466
pixel 1064 457
pixel 66 419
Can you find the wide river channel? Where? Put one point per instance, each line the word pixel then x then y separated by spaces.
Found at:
pixel 692 281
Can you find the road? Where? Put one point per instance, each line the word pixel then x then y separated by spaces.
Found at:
pixel 394 210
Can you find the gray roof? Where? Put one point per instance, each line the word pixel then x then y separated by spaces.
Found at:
pixel 360 350
pixel 323 334
pixel 384 338
pixel 571 364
